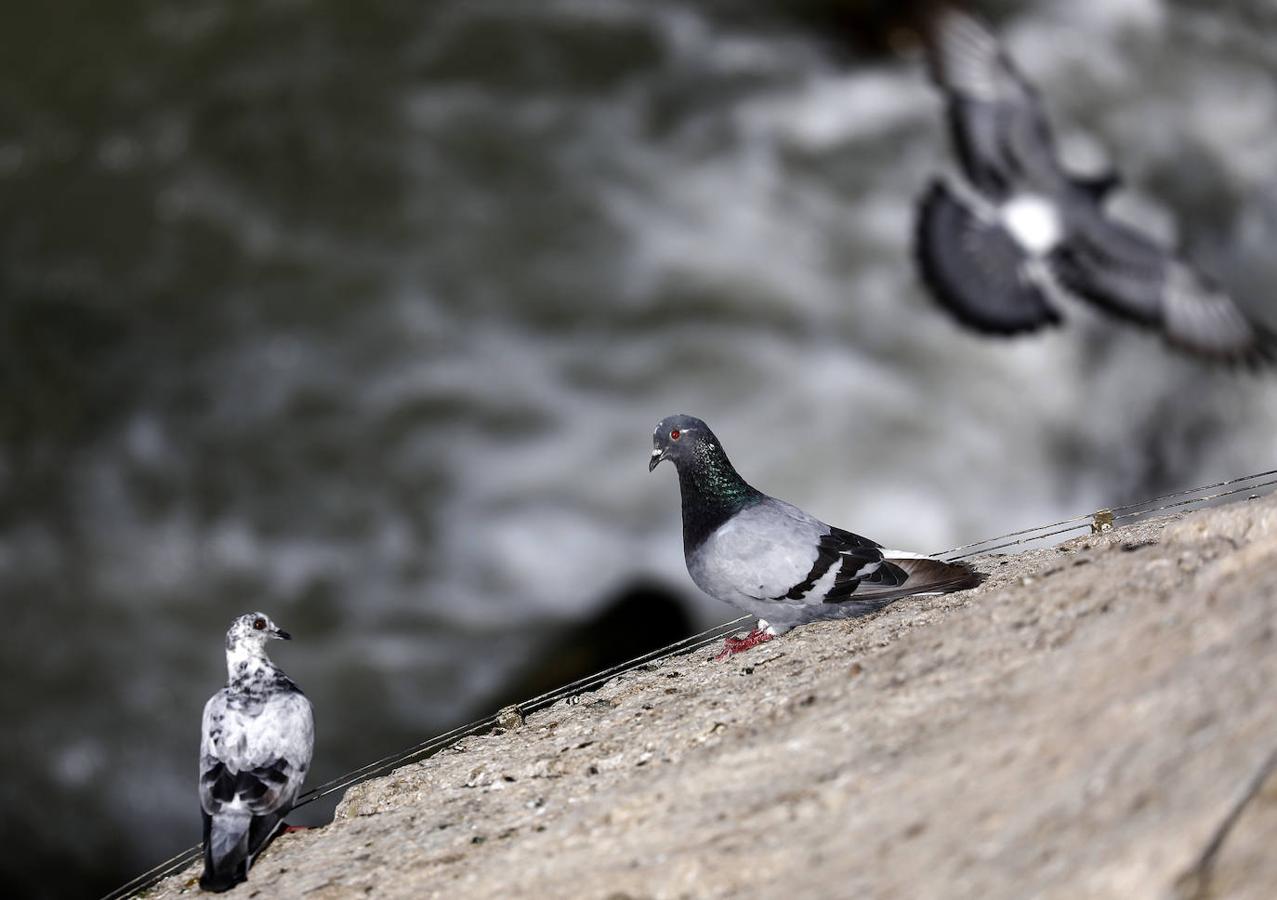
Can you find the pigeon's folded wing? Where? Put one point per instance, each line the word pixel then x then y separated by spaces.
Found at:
pixel 775 552
pixel 848 557
pixel 255 763
pixel 975 269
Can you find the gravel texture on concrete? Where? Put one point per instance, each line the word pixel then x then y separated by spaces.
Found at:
pixel 1097 720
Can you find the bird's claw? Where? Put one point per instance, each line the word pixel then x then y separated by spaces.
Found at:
pixel 733 645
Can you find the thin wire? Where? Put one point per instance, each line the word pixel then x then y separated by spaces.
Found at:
pixel 1081 520
pixel 708 635
pixel 1025 540
pixel 390 762
pixel 371 770
pixel 1084 521
pixel 1198 500
pixel 1205 487
pixel 150 878
pixel 531 705
pixel 686 645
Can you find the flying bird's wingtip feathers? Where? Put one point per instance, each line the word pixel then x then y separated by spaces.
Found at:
pixel 965 58
pixel 1201 319
pixel 947 29
pixel 1265 354
pixel 972 268
pixel 1258 355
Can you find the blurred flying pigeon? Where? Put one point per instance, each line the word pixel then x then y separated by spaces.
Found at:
pixel 1016 232
pixel 254 752
pixel 773 560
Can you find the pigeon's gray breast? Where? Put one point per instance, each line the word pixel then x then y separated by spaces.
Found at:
pixel 758 554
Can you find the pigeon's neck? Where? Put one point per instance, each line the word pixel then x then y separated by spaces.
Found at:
pixel 246 666
pixel 712 493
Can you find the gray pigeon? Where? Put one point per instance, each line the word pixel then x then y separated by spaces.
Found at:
pixel 771 559
pixel 1016 232
pixel 255 748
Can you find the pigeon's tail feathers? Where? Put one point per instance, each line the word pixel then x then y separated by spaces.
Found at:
pixel 264 830
pixel 226 850
pixel 934 576
pixel 902 575
pixel 974 268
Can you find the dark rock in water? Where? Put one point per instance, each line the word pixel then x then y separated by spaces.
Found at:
pixel 641 618
pixel 862 28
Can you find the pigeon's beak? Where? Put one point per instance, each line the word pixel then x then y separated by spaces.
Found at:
pixel 657 456
pixel 281 634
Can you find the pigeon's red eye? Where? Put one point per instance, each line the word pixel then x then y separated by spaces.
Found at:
pixel 259 624
pixel 674 434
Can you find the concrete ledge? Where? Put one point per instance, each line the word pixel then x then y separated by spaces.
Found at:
pixel 1085 724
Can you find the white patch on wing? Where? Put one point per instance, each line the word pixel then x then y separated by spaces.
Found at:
pixel 903 554
pixel 1033 221
pixel 824 583
pixel 867 569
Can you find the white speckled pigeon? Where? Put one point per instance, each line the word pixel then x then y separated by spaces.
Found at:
pixel 255 748
pixel 1016 231
pixel 771 559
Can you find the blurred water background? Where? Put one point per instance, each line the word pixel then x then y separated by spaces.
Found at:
pixel 362 313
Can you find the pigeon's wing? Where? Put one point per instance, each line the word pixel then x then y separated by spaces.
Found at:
pixel 295 737
pixel 255 762
pixel 1200 318
pixel 212 733
pixel 841 558
pixel 902 575
pixel 774 551
pixel 1121 270
pixel 1000 132
pixel 771 551
pixel 975 269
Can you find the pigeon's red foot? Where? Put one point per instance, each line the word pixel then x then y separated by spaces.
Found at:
pixel 733 645
pixel 289 829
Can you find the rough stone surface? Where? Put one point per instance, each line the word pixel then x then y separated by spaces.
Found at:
pixel 1080 726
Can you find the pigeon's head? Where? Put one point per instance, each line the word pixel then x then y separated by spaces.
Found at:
pixel 253 630
pixel 678 438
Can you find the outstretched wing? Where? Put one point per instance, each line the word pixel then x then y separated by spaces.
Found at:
pixel 975 269
pixel 1000 132
pixel 1126 273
